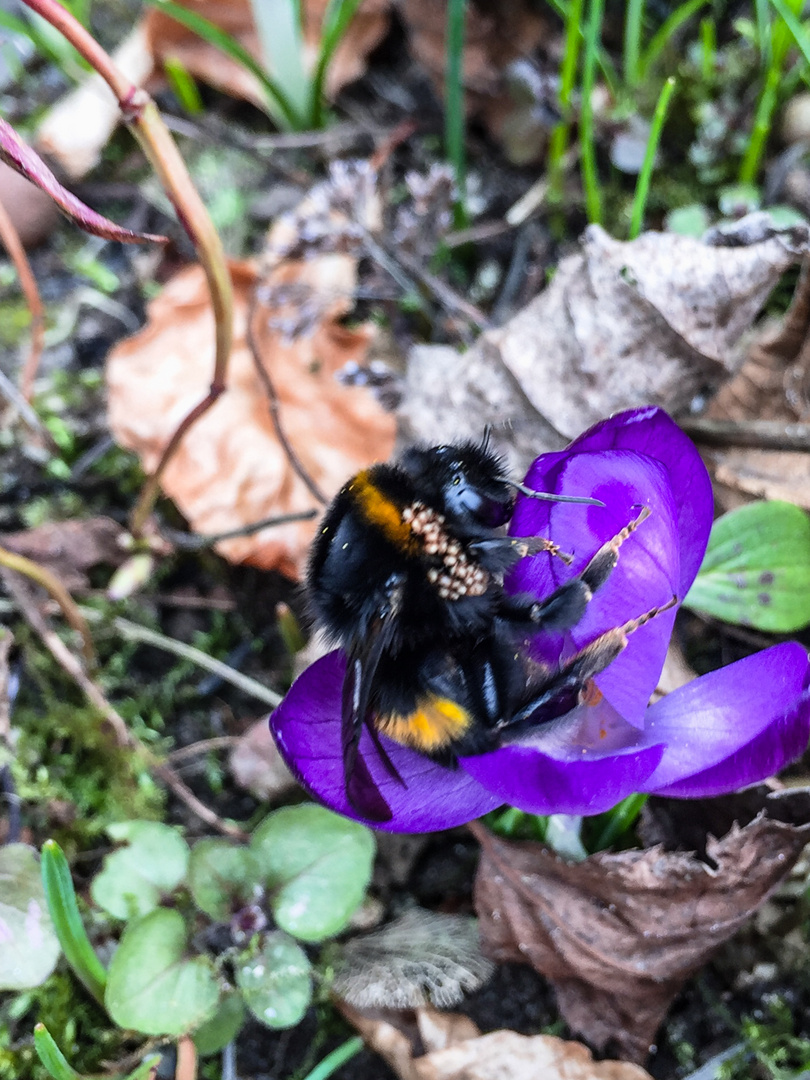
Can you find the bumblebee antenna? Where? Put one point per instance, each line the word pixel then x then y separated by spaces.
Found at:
pixel 547 495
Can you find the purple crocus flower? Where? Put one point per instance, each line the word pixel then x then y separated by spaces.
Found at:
pixel 719 733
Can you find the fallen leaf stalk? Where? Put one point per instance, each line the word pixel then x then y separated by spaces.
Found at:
pixel 144 121
pixel 16 252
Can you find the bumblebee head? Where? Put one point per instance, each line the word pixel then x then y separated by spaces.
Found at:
pixel 466 482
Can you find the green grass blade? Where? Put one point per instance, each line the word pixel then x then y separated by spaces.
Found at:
pixel 632 42
pixel 662 37
pixel 67 921
pixel 336 20
pixel 763 18
pixel 559 136
pixel 278 24
pixel 279 105
pixel 51 1056
pixel 606 65
pixel 797 31
pixel 454 119
pixel 184 86
pixel 339 1056
pixel 643 183
pixel 618 820
pixel 590 176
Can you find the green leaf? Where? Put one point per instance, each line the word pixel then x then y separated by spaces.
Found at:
pixel 135 879
pixel 152 986
pixel 51 1056
pixel 222 1028
pixel 67 922
pixel 317 865
pixel 757 568
pixel 29 947
pixel 275 981
pixel 222 877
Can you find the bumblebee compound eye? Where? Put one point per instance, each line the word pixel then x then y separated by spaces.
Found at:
pixel 464 499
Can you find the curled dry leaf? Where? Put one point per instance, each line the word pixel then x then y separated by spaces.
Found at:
pixel 655 320
pixel 70 548
pixel 455 1050
pixel 618 934
pixel 231 470
pixel 773 384
pixel 169 39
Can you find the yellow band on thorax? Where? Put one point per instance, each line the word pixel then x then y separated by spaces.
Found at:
pixel 381 511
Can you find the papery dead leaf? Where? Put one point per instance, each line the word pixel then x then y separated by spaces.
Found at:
pixel 618 934
pixel 257 766
pixel 70 548
pixel 494 38
pixel 230 469
pixel 651 321
pixel 456 1051
pixel 168 39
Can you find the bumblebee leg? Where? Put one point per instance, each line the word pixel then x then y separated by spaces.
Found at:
pixel 499 553
pixel 566 606
pixel 566 686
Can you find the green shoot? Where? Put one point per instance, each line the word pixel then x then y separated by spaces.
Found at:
pixel 643 182
pixel 184 86
pixel 662 37
pixel 559 136
pixel 780 34
pixel 51 1056
pixel 616 822
pixel 708 48
pixel 339 1056
pixel 336 21
pixel 278 104
pixel 67 921
pixel 763 17
pixel 632 43
pixel 278 25
pixel 454 102
pixel 590 178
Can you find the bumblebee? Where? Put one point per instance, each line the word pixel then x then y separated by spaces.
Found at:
pixel 406 576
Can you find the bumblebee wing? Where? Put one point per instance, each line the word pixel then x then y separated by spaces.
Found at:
pixel 361 789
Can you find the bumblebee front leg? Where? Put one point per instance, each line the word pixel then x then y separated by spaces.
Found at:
pixel 566 605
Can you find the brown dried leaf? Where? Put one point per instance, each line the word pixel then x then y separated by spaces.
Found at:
pixel 773 384
pixel 230 469
pixel 618 934
pixel 456 1051
pixel 70 548
pixel 494 38
pixel 168 39
pixel 257 766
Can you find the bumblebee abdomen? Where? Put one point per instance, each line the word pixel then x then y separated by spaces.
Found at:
pixel 437 725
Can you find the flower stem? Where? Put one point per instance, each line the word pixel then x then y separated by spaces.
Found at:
pixel 339 1056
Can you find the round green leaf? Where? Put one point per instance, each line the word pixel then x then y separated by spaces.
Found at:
pixel 152 987
pixel 275 981
pixel 222 1028
pixel 316 865
pixel 134 880
pixel 757 568
pixel 29 947
pixel 222 877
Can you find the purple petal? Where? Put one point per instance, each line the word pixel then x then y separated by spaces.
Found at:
pixel 582 764
pixel 647 574
pixel 306 727
pixel 651 431
pixel 732 727
pixel 25 161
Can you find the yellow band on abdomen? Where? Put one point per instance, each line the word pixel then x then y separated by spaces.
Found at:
pixel 435 725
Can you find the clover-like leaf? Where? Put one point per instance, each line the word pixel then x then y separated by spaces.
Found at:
pixel 135 879
pixel 222 877
pixel 153 987
pixel 316 865
pixel 29 947
pixel 275 981
pixel 223 1027
pixel 757 568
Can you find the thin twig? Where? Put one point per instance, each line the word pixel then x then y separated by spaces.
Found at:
pixel 133 632
pixel 273 404
pixel 758 434
pixel 10 392
pixel 197 541
pixel 24 599
pixel 44 577
pixel 204 746
pixel 186 1059
pixel 16 252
